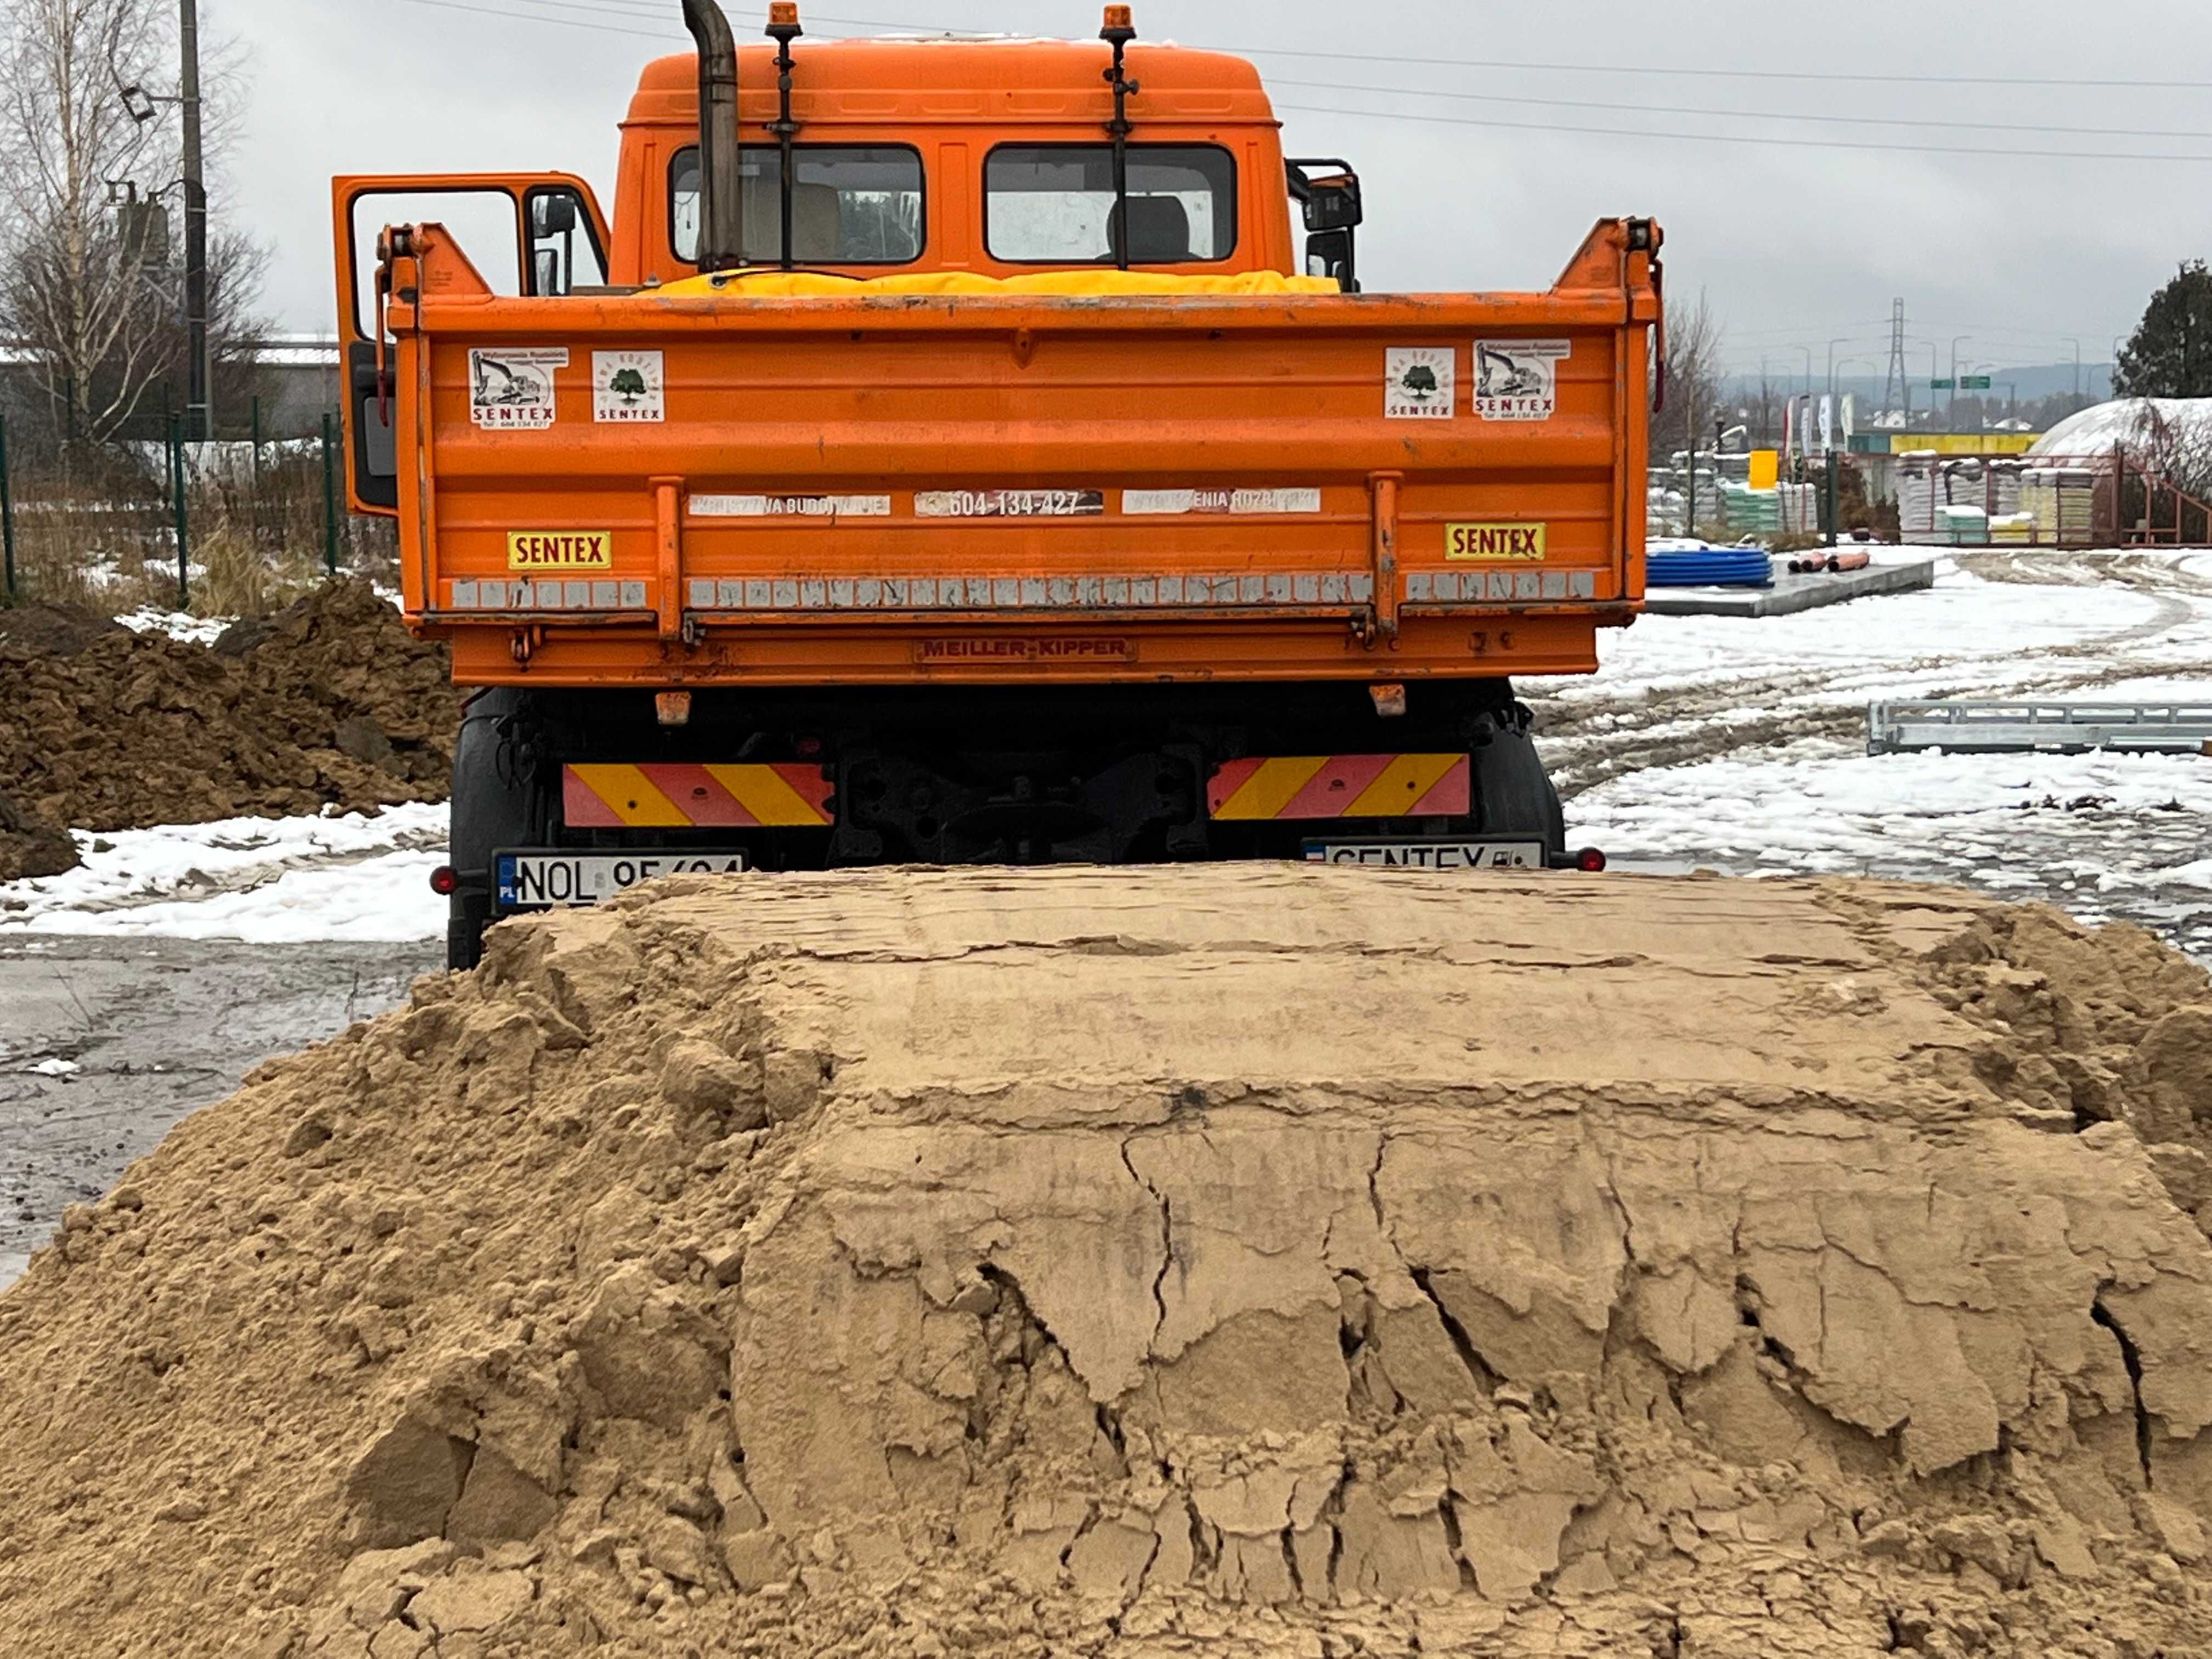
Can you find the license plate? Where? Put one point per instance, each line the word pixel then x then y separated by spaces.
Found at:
pixel 1430 854
pixel 547 881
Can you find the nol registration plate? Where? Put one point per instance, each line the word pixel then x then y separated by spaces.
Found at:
pixel 1430 854
pixel 545 881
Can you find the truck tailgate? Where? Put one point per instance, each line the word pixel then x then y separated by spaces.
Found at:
pixel 879 488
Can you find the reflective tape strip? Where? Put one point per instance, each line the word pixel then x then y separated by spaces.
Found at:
pixel 1024 592
pixel 549 593
pixel 670 795
pixel 1284 786
pixel 1336 588
pixel 1478 587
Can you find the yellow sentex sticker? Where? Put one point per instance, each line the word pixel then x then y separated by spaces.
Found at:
pixel 1493 541
pixel 560 550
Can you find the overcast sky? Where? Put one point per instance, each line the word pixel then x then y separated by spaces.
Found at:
pixel 1798 238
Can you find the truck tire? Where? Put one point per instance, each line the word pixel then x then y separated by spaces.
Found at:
pixel 1517 795
pixel 490 806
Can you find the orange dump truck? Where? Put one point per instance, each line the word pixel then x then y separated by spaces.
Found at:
pixel 948 453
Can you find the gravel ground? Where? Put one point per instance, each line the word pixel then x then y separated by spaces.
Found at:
pixel 108 1042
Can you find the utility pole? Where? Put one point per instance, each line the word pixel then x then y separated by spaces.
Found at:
pixel 199 412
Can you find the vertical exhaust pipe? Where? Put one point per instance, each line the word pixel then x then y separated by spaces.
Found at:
pixel 721 222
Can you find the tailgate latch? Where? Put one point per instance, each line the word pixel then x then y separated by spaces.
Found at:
pixel 1378 622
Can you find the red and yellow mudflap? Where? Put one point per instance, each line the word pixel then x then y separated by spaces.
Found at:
pixel 1341 787
pixel 672 796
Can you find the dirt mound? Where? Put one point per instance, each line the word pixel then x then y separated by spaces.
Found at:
pixel 1233 1260
pixel 329 704
pixel 44 628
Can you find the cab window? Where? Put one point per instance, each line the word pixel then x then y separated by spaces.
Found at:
pixel 850 205
pixel 1054 203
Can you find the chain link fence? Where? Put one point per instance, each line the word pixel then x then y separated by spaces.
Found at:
pixel 236 525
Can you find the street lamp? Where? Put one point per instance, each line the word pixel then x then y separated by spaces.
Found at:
pixel 1832 344
pixel 1950 408
pixel 2077 345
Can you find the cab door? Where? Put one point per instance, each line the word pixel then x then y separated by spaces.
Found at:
pixel 536 234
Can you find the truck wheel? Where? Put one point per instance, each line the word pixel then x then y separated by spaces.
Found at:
pixel 1518 797
pixel 491 802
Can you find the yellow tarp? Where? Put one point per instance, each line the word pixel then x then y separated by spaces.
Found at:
pixel 807 284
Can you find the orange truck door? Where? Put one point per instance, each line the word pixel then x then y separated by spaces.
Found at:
pixel 539 234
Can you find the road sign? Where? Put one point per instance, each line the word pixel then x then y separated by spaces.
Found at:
pixel 1973 383
pixel 1944 385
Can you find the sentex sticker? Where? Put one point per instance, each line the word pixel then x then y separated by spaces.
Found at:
pixel 560 550
pixel 512 391
pixel 1008 503
pixel 791 506
pixel 1493 541
pixel 1518 379
pixel 628 386
pixel 1421 383
pixel 1139 502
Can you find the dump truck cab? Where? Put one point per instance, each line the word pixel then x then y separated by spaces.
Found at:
pixel 978 451
pixel 960 155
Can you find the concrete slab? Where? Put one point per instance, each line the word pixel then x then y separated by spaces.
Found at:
pixel 1791 593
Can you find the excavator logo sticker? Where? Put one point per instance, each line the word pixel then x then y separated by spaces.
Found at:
pixel 1421 383
pixel 627 386
pixel 1518 379
pixel 512 391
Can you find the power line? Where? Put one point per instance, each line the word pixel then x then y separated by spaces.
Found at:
pixel 1741 138
pixel 1752 115
pixel 1883 78
pixel 465 6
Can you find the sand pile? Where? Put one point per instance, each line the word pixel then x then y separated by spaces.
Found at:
pixel 1233 1261
pixel 329 703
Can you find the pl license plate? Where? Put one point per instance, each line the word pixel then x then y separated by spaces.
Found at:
pixel 547 881
pixel 1430 854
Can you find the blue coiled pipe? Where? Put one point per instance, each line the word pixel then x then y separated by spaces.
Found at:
pixel 1713 567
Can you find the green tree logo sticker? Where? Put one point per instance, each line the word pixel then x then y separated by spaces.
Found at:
pixel 627 385
pixel 1421 383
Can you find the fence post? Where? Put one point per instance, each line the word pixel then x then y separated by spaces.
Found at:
pixel 184 539
pixel 7 511
pixel 1835 467
pixel 330 498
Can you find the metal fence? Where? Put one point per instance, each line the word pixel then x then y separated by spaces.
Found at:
pixel 229 527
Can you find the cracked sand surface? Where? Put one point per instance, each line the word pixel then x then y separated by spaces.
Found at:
pixel 1261 1260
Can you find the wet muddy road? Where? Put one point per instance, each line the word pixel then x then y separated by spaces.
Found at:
pixel 108 1041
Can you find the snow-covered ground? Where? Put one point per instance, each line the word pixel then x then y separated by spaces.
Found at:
pixel 1740 746
pixel 177 624
pixel 269 881
pixel 1726 744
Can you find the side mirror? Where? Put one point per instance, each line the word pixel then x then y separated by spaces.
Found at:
pixel 1328 195
pixel 552 213
pixel 1330 253
pixel 1333 204
pixel 548 263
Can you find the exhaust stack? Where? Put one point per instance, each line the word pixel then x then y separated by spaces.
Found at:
pixel 721 216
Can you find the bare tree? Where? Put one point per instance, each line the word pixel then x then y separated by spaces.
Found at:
pixel 94 323
pixel 1693 366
